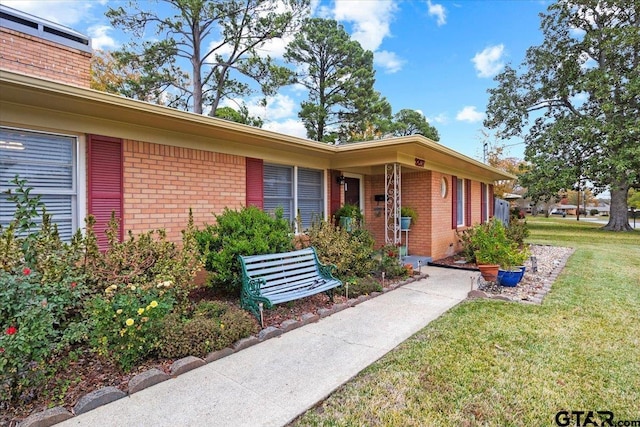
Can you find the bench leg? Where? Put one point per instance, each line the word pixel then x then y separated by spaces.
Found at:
pixel 330 294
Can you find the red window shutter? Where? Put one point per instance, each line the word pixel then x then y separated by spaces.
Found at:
pixel 335 191
pixel 105 184
pixel 454 202
pixel 491 202
pixel 255 182
pixel 483 202
pixel 467 202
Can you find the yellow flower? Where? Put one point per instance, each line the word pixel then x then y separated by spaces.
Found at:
pixel 122 332
pixel 140 311
pixel 111 288
pixel 132 287
pixel 119 311
pixel 221 325
pixel 153 304
pixel 129 322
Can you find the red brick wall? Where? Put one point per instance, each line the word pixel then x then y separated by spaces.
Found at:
pixel 432 234
pixel 162 182
pixel 34 56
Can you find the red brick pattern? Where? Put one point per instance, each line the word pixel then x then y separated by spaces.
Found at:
pixel 162 182
pixel 26 54
pixel 432 234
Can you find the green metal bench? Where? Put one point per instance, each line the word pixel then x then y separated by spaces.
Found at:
pixel 277 278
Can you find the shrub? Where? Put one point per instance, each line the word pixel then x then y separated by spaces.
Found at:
pixel 143 260
pixel 361 286
pixel 214 326
pixel 351 252
pixel 249 231
pixel 388 261
pixel 127 321
pixel 517 231
pixel 42 293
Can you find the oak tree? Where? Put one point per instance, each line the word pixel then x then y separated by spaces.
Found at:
pixel 576 102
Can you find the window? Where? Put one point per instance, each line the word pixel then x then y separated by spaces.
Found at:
pixel 49 164
pixel 460 193
pixel 298 191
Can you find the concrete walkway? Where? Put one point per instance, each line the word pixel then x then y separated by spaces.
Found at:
pixel 273 382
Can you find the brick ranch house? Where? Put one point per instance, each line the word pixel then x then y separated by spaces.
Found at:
pixel 89 152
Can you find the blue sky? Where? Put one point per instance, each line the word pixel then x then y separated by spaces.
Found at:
pixel 438 57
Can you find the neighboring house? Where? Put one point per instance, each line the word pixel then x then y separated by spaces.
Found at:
pixel 89 152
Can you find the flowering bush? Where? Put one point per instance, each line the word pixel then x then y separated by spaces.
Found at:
pixel 143 259
pixel 42 292
pixel 126 320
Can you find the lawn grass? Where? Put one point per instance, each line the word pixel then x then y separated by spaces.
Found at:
pixel 494 363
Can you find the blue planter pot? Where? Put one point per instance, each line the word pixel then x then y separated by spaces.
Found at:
pixel 405 222
pixel 510 278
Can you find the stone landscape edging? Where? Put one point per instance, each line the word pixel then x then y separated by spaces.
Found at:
pixel 153 376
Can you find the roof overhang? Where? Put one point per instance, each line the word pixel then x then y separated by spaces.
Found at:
pixel 31 101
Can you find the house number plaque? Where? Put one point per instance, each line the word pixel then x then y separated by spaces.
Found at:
pixel 419 162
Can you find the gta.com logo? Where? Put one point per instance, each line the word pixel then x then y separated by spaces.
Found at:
pixel 591 418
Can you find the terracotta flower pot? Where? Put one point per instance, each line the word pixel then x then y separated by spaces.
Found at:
pixel 489 272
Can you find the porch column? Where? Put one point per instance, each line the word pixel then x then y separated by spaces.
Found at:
pixel 393 203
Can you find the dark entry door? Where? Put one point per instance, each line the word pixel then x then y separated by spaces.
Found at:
pixel 352 191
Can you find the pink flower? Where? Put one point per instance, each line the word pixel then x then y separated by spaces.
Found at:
pixel 1 350
pixel 73 285
pixel 26 271
pixel 11 330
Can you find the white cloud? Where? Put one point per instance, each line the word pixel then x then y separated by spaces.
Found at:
pixel 100 38
pixel 371 20
pixel 63 12
pixel 440 118
pixel 388 60
pixel 291 127
pixel 469 114
pixel 438 11
pixel 489 62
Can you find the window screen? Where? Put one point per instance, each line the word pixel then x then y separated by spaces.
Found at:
pixel 460 201
pixel 278 189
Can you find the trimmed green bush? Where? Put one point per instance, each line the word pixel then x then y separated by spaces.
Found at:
pixel 214 326
pixel 351 252
pixel 249 231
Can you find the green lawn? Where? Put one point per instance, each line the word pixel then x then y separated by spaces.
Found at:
pixel 507 364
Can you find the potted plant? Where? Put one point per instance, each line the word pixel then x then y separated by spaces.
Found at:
pixel 489 246
pixel 347 214
pixel 511 269
pixel 408 216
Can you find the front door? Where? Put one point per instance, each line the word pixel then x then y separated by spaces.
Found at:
pixel 352 191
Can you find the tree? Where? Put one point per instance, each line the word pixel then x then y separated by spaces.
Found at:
pixel 220 41
pixel 239 116
pixel 118 73
pixel 339 76
pixel 412 122
pixel 576 102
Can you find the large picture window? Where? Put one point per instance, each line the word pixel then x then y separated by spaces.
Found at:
pixel 299 191
pixel 48 163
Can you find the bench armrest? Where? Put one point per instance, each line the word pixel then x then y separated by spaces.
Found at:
pixel 327 270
